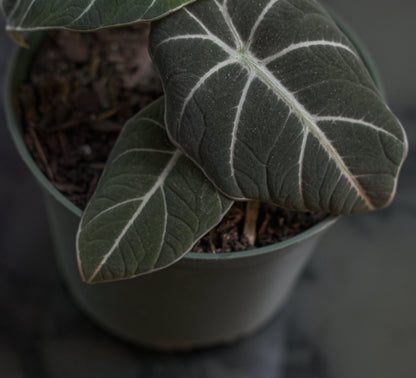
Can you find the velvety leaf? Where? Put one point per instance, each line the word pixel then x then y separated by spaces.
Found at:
pixel 151 205
pixel 273 102
pixel 83 14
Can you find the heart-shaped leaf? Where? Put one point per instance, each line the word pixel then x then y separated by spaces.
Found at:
pixel 151 205
pixel 83 14
pixel 273 102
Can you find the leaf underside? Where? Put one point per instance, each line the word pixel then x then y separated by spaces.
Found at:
pixel 273 102
pixel 151 205
pixel 83 14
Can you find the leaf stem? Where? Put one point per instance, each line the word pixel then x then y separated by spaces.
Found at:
pixel 250 223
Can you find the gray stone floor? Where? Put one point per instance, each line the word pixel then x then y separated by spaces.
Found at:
pixel 352 315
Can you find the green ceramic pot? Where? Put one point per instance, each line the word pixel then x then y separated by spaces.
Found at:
pixel 202 300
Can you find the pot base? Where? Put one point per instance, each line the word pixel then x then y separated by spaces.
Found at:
pixel 203 300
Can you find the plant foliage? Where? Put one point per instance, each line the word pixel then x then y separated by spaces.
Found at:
pixel 151 205
pixel 273 102
pixel 264 100
pixel 23 15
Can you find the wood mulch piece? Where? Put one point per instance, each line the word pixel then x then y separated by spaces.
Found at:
pixel 82 88
pixel 273 225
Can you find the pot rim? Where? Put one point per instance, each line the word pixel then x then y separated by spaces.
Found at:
pixel 15 129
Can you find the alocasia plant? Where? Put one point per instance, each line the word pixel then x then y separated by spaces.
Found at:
pixel 264 100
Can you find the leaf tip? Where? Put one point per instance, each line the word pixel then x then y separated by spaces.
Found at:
pixel 84 278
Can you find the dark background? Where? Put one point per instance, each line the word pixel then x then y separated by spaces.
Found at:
pixel 352 315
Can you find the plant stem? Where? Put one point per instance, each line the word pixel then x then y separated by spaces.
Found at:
pixel 250 223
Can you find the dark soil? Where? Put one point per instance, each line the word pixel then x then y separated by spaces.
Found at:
pixel 273 224
pixel 81 90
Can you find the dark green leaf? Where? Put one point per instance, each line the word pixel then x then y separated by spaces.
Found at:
pixel 83 14
pixel 151 205
pixel 273 102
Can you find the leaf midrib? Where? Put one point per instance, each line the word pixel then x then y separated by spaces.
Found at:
pixel 248 61
pixel 303 115
pixel 158 184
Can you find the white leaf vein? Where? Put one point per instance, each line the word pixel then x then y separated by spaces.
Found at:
pixel 165 225
pixel 236 123
pixel 307 119
pixel 26 13
pixel 149 7
pixel 301 159
pixel 84 12
pixel 135 150
pixel 209 37
pixel 147 119
pixel 13 11
pixel 307 44
pixel 356 121
pixel 260 19
pixel 228 20
pixel 201 82
pixel 200 23
pixel 252 64
pixel 119 204
pixel 159 182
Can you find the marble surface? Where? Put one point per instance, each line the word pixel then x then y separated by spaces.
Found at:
pixel 388 30
pixel 353 313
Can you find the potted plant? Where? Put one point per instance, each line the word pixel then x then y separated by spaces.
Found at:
pixel 263 101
